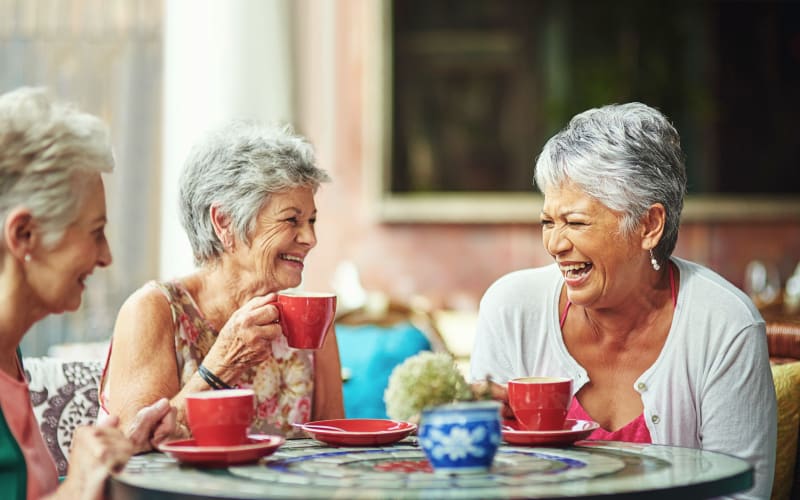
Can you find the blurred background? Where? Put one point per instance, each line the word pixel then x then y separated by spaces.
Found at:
pixel 429 115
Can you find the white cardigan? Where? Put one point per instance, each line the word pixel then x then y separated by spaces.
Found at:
pixel 711 387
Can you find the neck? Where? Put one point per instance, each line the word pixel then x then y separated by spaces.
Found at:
pixel 18 312
pixel 638 312
pixel 219 290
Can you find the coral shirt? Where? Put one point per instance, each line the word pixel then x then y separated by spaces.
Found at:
pixel 15 403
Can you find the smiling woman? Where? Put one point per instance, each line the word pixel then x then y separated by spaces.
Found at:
pixel 247 205
pixel 660 350
pixel 53 210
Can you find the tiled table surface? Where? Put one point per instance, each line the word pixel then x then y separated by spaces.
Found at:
pixel 309 469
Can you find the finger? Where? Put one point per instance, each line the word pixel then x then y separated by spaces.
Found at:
pixel 107 421
pixel 165 428
pixel 262 300
pixel 499 392
pixel 145 422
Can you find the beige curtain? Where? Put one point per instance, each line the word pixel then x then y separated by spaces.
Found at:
pixel 105 55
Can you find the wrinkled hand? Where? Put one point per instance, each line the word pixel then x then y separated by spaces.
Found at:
pixel 96 452
pixel 152 425
pixel 497 392
pixel 246 338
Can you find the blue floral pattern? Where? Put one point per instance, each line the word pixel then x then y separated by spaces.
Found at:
pixel 461 437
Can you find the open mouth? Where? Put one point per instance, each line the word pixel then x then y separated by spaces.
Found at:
pixel 291 258
pixel 576 271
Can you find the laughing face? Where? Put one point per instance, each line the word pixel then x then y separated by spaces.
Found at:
pixel 283 236
pixel 58 274
pixel 598 263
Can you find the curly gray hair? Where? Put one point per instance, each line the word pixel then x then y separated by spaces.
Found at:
pixel 49 150
pixel 238 167
pixel 627 156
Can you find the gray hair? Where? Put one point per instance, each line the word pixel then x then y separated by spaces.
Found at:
pixel 237 168
pixel 48 152
pixel 627 156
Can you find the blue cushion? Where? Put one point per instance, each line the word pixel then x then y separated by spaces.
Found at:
pixel 369 353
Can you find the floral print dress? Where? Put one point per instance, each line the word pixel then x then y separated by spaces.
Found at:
pixel 283 383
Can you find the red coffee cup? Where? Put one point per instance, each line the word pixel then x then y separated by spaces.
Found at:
pixel 306 317
pixel 221 417
pixel 540 403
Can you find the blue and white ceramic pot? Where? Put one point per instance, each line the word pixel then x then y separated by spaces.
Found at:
pixel 461 437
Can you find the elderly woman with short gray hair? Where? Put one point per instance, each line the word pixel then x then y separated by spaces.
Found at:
pixel 53 209
pixel 247 205
pixel 660 350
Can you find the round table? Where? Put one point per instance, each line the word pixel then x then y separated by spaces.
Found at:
pixel 309 469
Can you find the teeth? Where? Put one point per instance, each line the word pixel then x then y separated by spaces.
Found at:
pixel 292 258
pixel 573 267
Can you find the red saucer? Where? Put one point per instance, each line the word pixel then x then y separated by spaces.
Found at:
pixel 358 431
pixel 258 445
pixel 573 430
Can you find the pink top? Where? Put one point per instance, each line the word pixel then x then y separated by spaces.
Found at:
pixel 16 405
pixel 636 430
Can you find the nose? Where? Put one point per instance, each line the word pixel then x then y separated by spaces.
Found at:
pixel 104 255
pixel 555 242
pixel 307 235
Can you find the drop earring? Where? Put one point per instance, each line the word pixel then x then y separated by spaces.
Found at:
pixel 653 261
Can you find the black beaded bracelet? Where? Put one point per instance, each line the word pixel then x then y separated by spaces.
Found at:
pixel 211 379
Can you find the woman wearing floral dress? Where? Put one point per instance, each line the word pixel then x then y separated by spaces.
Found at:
pixel 247 205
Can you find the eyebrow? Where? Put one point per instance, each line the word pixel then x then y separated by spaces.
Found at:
pixel 564 214
pixel 295 210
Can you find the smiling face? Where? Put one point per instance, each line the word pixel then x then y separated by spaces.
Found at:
pixel 599 264
pixel 58 274
pixel 282 238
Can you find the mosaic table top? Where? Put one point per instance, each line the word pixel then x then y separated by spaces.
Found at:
pixel 309 469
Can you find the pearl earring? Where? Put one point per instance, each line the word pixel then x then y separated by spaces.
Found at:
pixel 653 261
pixel 27 257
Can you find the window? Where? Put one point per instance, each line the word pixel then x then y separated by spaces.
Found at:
pixel 472 90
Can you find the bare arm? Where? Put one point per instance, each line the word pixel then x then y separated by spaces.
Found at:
pixel 143 366
pixel 328 401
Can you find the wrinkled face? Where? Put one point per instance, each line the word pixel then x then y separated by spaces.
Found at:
pixel 283 236
pixel 599 264
pixel 58 274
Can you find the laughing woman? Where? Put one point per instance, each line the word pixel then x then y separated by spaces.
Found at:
pixel 53 210
pixel 661 350
pixel 247 205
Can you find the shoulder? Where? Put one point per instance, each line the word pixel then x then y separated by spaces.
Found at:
pixel 523 286
pixel 145 311
pixel 151 296
pixel 711 295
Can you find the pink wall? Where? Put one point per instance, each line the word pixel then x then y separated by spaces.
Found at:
pixel 453 264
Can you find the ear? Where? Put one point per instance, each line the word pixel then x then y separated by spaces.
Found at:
pixel 222 225
pixel 19 232
pixel 653 225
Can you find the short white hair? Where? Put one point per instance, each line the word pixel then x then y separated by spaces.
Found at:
pixel 627 156
pixel 238 167
pixel 49 150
